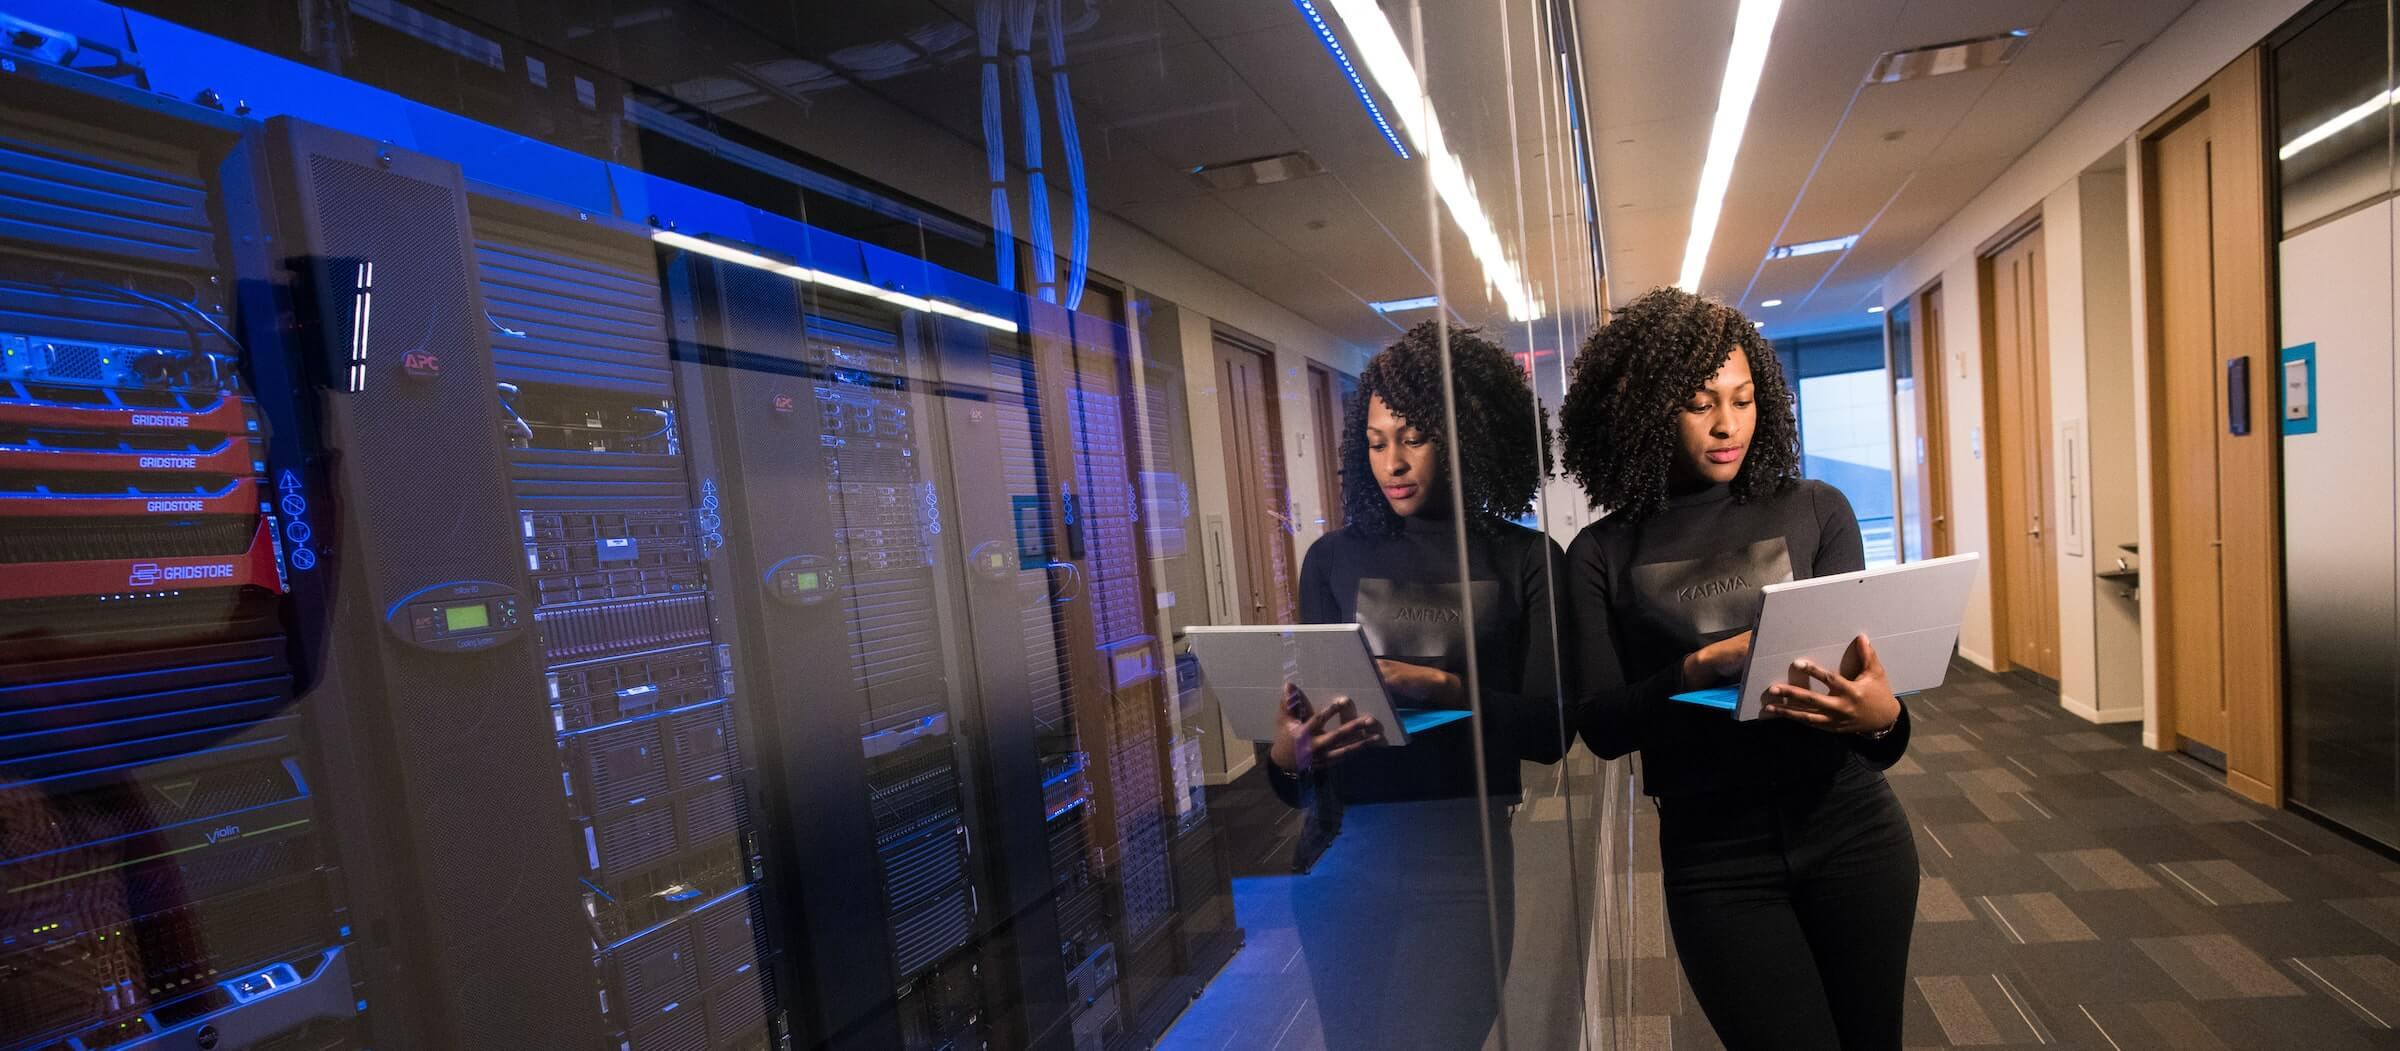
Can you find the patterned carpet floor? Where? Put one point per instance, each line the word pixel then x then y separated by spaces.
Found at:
pixel 2082 891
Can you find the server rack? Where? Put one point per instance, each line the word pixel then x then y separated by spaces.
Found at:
pixel 1117 698
pixel 814 433
pixel 1031 680
pixel 651 731
pixel 165 868
pixel 553 740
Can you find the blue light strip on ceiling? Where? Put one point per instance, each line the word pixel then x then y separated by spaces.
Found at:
pixel 1342 59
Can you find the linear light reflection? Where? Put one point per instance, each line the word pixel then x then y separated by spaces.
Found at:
pixel 1378 47
pixel 2338 124
pixel 807 276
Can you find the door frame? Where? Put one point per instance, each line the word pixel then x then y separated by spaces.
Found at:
pixel 2251 575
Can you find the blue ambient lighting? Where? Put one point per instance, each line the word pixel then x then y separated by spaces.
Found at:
pixel 1342 59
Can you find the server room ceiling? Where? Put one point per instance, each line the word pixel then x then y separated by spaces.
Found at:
pixel 893 90
pixel 1824 156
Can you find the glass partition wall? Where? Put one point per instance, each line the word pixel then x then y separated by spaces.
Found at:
pixel 678 526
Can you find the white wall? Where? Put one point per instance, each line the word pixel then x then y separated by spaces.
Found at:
pixel 2063 239
pixel 1962 396
pixel 2110 361
pixel 2207 36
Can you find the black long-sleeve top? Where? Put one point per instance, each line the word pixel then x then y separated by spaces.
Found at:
pixel 1644 594
pixel 1403 590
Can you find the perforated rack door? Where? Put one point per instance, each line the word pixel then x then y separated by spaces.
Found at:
pixel 651 729
pixel 471 792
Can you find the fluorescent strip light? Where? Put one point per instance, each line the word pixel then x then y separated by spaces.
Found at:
pixel 1874 310
pixel 807 276
pixel 1342 58
pixel 1393 306
pixel 2335 126
pixel 1378 46
pixel 1771 303
pixel 1745 63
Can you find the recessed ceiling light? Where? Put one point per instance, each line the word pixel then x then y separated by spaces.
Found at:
pixel 1874 310
pixel 1758 324
pixel 1771 303
pixel 1957 56
pixel 1391 306
pixel 1830 244
pixel 1745 63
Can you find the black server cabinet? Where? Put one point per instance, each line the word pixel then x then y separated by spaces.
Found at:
pixel 549 727
pixel 167 876
pixel 475 921
pixel 814 437
pixel 1047 877
pixel 651 728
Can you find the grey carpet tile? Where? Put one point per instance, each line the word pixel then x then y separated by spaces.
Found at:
pixel 2080 890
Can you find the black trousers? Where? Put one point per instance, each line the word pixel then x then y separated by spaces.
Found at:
pixel 1792 908
pixel 1395 925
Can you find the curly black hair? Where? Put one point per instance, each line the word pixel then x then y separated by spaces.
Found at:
pixel 1636 373
pixel 1504 442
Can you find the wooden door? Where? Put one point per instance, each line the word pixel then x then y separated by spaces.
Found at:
pixel 1933 381
pixel 2188 558
pixel 1261 537
pixel 2213 561
pixel 1326 406
pixel 2025 563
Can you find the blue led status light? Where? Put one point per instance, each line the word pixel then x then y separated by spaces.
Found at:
pixel 1341 58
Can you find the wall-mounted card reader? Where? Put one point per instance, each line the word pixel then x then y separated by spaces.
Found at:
pixel 2237 396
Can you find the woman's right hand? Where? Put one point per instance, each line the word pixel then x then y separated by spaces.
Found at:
pixel 1716 662
pixel 1306 738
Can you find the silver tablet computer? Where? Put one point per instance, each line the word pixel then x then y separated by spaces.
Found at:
pixel 1911 612
pixel 1245 667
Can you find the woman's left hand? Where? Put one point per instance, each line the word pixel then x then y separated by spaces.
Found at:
pixel 1420 686
pixel 1856 700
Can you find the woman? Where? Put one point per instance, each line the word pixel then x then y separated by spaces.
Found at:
pixel 1790 871
pixel 1395 918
